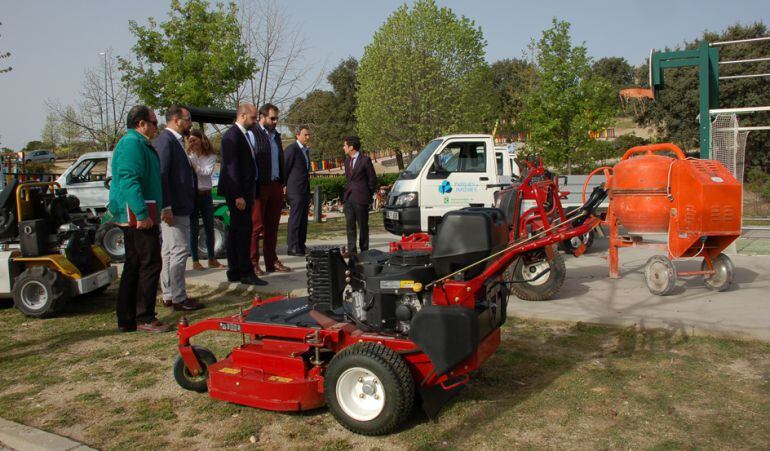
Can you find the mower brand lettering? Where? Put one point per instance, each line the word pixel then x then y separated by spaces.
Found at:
pixel 228 370
pixel 230 327
pixel 279 379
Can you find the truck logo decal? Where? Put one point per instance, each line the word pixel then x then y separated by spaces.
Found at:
pixel 445 187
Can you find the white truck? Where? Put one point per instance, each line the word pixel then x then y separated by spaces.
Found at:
pixel 458 171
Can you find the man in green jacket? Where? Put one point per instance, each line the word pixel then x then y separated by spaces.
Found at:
pixel 135 186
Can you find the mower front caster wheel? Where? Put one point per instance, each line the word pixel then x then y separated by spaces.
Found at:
pixel 186 380
pixel 39 292
pixel 660 275
pixel 369 389
pixel 723 275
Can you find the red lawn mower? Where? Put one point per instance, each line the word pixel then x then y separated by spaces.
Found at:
pixel 382 329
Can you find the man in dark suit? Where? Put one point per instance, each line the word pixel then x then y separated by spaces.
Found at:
pixel 362 182
pixel 297 164
pixel 239 186
pixel 267 208
pixel 179 187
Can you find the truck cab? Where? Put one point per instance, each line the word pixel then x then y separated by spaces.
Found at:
pixel 85 180
pixel 450 173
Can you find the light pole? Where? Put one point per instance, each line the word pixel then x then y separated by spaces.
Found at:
pixel 106 105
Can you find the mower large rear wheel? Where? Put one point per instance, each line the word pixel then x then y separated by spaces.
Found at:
pixel 220 241
pixel 530 285
pixel 39 292
pixel 369 389
pixel 197 383
pixel 110 237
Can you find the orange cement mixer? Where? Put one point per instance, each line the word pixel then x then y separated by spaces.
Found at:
pixel 695 204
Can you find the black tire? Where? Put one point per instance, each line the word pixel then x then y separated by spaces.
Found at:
pixel 110 237
pixel 723 278
pixel 220 240
pixel 543 288
pixel 660 275
pixel 39 292
pixel 186 380
pixel 389 383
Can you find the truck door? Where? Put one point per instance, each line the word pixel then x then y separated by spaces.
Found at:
pixel 86 182
pixel 502 166
pixel 466 168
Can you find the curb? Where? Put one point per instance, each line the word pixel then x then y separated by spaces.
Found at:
pixel 21 437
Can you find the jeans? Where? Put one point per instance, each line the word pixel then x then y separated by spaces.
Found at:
pixel 174 254
pixel 204 207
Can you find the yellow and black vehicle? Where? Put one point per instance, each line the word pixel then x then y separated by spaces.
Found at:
pixel 47 251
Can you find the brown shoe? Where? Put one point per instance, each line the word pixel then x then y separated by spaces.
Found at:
pixel 168 302
pixel 214 264
pixel 278 267
pixel 188 304
pixel 258 271
pixel 198 267
pixel 153 327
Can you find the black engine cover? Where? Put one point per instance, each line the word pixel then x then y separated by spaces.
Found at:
pixel 448 335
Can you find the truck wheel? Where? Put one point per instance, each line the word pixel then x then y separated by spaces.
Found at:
pixel 721 280
pixel 660 275
pixel 369 389
pixel 110 238
pixel 186 380
pixel 536 288
pixel 39 292
pixel 220 240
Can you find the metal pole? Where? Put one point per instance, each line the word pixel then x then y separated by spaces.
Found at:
pixel 739 110
pixel 317 203
pixel 106 104
pixel 739 41
pixel 735 77
pixel 750 60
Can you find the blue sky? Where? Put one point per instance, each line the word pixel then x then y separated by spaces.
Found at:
pixel 53 42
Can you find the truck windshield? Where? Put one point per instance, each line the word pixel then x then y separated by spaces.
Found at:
pixel 419 161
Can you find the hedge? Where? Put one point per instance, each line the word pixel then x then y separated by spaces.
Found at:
pixel 332 187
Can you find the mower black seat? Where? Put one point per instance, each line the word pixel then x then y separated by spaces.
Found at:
pixel 290 312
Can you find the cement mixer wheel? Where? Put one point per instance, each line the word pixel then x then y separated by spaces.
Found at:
pixel 660 275
pixel 723 277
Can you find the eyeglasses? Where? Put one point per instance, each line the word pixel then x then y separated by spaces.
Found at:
pixel 273 118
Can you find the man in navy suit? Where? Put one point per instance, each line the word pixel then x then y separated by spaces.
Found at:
pixel 362 182
pixel 178 182
pixel 239 185
pixel 297 166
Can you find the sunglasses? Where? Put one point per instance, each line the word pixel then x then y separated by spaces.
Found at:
pixel 155 123
pixel 273 118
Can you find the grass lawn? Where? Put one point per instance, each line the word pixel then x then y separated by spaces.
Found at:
pixel 548 386
pixel 334 228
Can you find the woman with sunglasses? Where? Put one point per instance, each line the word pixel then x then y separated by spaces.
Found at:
pixel 203 159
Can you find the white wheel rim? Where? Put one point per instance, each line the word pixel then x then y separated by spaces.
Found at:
pixel 658 276
pixel 360 394
pixel 34 295
pixel 113 242
pixel 529 272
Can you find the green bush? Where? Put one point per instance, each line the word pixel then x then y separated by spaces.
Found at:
pixel 332 187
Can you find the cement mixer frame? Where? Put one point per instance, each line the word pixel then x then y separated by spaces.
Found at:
pixel 689 234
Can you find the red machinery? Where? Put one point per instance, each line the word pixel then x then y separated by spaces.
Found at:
pixel 377 329
pixel 695 203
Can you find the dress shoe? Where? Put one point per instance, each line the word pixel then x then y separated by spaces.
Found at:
pixel 127 328
pixel 296 253
pixel 213 264
pixel 233 279
pixel 252 281
pixel 153 327
pixel 279 267
pixel 197 266
pixel 188 304
pixel 258 271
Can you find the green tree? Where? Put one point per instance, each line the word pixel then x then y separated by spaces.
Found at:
pixel 423 75
pixel 196 57
pixel 330 114
pixel 615 70
pixel 568 103
pixel 512 80
pixel 674 112
pixel 50 133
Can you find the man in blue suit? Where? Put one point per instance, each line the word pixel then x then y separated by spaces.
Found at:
pixel 297 166
pixel 239 184
pixel 179 188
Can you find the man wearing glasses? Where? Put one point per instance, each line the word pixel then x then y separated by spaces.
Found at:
pixel 135 185
pixel 179 189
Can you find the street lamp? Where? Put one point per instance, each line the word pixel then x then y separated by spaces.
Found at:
pixel 106 125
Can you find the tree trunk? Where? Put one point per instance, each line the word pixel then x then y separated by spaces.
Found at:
pixel 400 159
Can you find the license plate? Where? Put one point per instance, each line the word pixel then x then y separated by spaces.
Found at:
pixel 391 215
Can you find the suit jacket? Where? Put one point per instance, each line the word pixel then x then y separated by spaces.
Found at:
pixel 176 175
pixel 237 176
pixel 264 155
pixel 297 171
pixel 362 181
